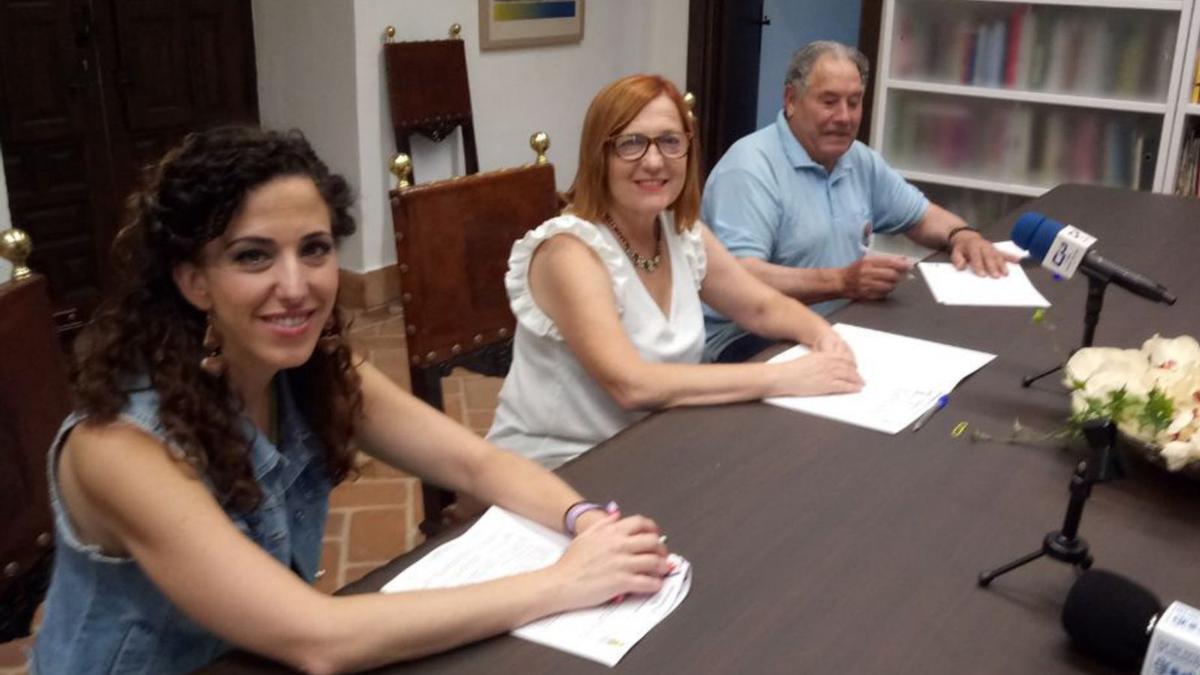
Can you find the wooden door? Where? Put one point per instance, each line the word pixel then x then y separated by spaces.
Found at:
pixel 93 91
pixel 51 131
pixel 175 67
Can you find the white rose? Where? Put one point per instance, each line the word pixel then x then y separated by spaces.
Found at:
pixel 1179 454
pixel 1114 376
pixel 1180 352
pixel 1180 385
pixel 1085 362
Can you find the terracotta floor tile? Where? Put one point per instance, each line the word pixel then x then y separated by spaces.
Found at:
pixel 393 492
pixel 369 468
pixel 377 534
pixel 480 421
pixel 454 408
pixel 335 525
pixel 482 393
pixel 452 385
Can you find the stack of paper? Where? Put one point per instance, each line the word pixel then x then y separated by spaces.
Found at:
pixel 963 287
pixel 903 376
pixel 502 544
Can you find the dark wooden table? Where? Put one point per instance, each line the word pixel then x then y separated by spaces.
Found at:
pixel 820 547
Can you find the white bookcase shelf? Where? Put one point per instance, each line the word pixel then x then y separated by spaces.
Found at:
pixel 1014 98
pixel 1005 94
pixel 1183 153
pixel 975 183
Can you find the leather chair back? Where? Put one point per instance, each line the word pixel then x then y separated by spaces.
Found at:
pixel 34 399
pixel 453 239
pixel 428 93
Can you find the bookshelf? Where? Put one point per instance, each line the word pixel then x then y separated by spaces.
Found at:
pixel 986 103
pixel 1183 155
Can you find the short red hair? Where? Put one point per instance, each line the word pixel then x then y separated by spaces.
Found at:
pixel 612 110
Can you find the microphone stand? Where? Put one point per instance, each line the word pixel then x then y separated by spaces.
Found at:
pixel 1066 545
pixel 1097 284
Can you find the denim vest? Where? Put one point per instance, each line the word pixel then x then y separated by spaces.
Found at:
pixel 104 615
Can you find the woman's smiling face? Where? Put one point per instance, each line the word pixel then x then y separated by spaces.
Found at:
pixel 270 281
pixel 644 187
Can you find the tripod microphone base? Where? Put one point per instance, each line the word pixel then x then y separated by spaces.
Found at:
pixel 1030 379
pixel 1071 550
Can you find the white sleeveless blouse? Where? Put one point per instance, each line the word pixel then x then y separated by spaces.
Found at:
pixel 550 409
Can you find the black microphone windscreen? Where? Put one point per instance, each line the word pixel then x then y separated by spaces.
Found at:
pixel 1107 616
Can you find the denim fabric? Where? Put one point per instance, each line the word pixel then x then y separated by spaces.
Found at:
pixel 104 615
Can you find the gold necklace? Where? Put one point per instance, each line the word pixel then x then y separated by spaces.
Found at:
pixel 647 264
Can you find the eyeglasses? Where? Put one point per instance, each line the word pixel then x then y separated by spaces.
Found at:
pixel 632 147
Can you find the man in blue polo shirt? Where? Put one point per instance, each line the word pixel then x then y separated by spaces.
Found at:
pixel 798 201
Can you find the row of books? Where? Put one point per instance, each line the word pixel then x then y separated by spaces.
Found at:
pixel 1187 179
pixel 1022 143
pixel 1117 53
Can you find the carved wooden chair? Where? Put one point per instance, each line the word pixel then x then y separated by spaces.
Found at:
pixel 428 92
pixel 453 239
pixel 34 399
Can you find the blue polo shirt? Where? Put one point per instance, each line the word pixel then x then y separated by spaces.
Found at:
pixel 768 199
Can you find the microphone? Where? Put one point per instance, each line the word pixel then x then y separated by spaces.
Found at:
pixel 1064 249
pixel 1120 623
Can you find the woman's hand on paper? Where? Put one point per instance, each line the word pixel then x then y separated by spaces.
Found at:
pixel 816 373
pixel 611 558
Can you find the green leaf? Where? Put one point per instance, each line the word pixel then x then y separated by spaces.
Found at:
pixel 1157 412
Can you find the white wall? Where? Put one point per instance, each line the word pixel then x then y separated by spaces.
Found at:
pixel 5 218
pixel 513 92
pixel 306 80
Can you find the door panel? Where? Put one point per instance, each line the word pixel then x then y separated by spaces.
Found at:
pixel 92 91
pixel 151 73
pixel 43 71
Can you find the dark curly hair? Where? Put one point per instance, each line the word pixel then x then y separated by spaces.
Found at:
pixel 147 329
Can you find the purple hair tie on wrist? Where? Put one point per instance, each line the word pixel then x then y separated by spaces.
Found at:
pixel 571 516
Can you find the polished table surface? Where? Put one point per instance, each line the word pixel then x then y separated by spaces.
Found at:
pixel 821 547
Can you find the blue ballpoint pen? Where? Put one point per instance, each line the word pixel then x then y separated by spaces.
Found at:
pixel 928 414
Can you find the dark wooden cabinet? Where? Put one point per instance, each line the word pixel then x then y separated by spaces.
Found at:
pixel 91 91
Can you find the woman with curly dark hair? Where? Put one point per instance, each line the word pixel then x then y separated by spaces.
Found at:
pixel 218 405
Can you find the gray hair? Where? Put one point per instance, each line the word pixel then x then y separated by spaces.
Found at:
pixel 800 69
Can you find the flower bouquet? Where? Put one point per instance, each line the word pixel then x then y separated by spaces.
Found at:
pixel 1152 393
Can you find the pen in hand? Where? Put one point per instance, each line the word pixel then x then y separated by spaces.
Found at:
pixel 928 414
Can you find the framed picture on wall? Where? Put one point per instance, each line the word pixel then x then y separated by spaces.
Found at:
pixel 504 24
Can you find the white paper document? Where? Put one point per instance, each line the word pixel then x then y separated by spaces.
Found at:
pixel 501 544
pixel 963 287
pixel 903 376
pixel 1011 248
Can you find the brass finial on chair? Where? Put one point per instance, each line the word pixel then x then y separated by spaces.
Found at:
pixel 389 34
pixel 455 30
pixel 689 99
pixel 15 247
pixel 540 142
pixel 402 170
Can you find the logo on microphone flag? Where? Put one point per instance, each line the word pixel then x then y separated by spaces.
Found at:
pixel 1175 646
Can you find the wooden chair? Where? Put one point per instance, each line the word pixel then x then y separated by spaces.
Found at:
pixel 428 92
pixel 34 399
pixel 453 239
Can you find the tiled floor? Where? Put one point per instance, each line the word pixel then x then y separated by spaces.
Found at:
pixel 373 518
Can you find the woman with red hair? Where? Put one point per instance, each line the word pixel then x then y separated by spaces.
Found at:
pixel 608 295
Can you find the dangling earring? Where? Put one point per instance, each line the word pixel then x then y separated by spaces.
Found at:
pixel 213 362
pixel 330 339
